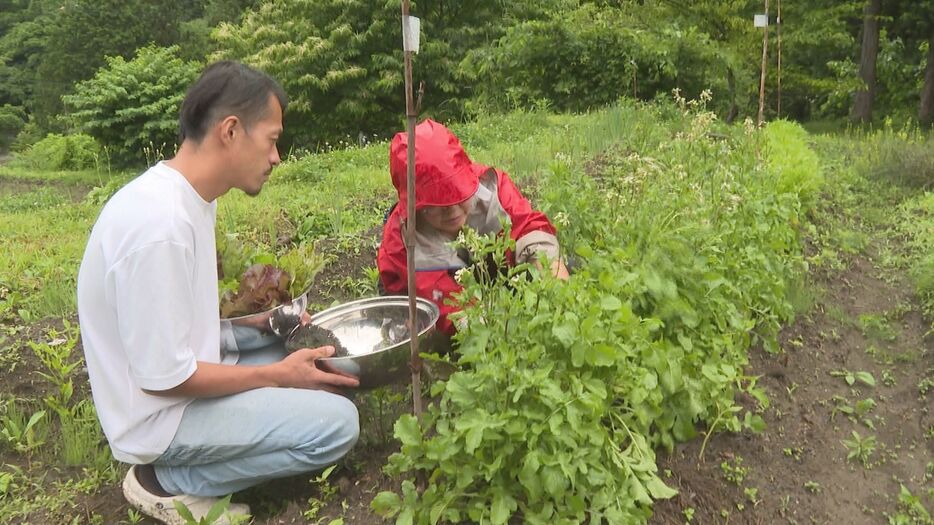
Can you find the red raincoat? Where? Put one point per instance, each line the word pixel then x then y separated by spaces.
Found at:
pixel 444 176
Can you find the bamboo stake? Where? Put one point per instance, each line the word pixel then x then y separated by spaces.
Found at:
pixel 410 118
pixel 765 47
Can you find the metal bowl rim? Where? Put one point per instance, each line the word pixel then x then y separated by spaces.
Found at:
pixel 433 311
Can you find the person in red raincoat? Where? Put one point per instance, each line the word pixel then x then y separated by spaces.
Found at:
pixel 452 193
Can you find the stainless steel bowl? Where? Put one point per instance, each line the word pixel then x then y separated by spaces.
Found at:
pixel 376 334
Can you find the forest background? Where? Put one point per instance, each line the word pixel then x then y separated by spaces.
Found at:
pixel 101 80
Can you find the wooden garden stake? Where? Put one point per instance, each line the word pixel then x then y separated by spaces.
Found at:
pixel 778 34
pixel 765 48
pixel 409 238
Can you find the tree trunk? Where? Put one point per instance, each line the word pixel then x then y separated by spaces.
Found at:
pixel 926 112
pixel 731 85
pixel 862 102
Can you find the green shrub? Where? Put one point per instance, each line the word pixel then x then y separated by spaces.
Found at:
pixel 12 120
pixel 62 153
pixel 28 135
pixel 132 106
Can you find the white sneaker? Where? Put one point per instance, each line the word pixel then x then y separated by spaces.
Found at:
pixel 163 508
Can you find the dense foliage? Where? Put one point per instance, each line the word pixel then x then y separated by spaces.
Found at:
pixel 63 153
pixel 341 61
pixel 564 389
pixel 131 107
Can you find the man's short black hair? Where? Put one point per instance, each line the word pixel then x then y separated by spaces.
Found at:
pixel 226 88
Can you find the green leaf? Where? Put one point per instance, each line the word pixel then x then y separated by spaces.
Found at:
pixel 184 512
pixel 603 354
pixel 638 491
pixel 754 422
pixel 499 513
pixel 406 517
pixel 386 504
pixel 658 489
pixel 565 333
pixel 217 509
pixel 608 302
pixel 407 430
pixel 865 378
pixel 474 437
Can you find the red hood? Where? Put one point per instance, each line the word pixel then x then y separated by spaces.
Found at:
pixel 444 174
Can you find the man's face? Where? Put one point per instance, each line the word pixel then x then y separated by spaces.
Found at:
pixel 255 150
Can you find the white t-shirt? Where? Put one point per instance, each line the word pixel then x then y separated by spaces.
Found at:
pixel 148 308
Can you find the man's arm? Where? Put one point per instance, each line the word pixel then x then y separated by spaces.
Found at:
pixel 297 370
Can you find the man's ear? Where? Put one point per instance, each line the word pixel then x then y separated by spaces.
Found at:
pixel 228 129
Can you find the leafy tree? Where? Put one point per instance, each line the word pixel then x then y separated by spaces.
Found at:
pixel 84 32
pixel 907 72
pixel 591 56
pixel 341 60
pixel 818 49
pixel 24 30
pixel 735 41
pixel 195 41
pixel 132 106
pixel 337 60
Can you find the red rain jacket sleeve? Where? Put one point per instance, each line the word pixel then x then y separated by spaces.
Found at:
pixel 436 286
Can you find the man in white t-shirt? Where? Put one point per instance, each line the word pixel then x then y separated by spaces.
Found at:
pixel 199 413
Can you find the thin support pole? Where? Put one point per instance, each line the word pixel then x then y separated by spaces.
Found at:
pixel 765 48
pixel 410 118
pixel 778 33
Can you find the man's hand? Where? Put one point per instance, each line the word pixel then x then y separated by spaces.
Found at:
pixel 300 370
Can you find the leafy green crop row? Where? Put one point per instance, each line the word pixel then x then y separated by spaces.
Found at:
pixel 686 244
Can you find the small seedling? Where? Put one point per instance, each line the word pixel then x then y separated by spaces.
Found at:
pixel 812 486
pixel 877 327
pixel 852 377
pixel 860 448
pixel 752 494
pixel 736 472
pixel 133 515
pixel 888 379
pixel 24 434
pixel 910 510
pixel 316 503
pixel 924 386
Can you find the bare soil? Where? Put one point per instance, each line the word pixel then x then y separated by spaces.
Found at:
pixel 799 464
pixel 12 185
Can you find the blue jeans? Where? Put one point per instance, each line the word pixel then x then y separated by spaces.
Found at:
pixel 230 443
